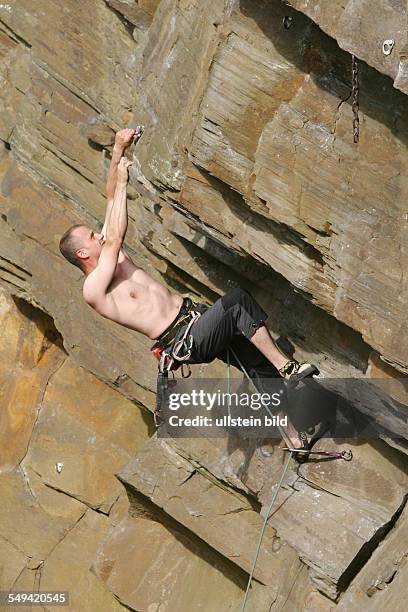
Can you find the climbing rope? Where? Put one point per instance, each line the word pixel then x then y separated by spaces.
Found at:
pixel 274 496
pixel 261 534
pixel 346 455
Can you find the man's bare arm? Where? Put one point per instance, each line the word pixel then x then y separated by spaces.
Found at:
pixel 118 219
pixel 117 153
pixel 98 281
pixel 123 139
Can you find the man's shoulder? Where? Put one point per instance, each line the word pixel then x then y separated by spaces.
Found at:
pixel 88 280
pixel 90 290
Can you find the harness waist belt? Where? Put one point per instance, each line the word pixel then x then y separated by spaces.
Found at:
pixel 184 314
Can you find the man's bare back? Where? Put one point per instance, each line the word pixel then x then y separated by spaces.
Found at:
pixel 137 301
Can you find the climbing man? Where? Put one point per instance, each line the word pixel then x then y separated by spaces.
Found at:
pixel 121 291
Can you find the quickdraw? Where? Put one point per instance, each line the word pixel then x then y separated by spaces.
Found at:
pixel 347 455
pixel 185 343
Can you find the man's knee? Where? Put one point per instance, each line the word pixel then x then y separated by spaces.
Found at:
pixel 245 310
pixel 235 296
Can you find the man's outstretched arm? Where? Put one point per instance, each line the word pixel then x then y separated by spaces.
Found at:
pixel 98 281
pixel 118 219
pixel 123 139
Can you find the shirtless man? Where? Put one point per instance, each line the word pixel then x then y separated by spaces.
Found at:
pixel 123 292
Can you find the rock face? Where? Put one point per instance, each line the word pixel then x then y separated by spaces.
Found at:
pixel 247 174
pixel 349 24
pixel 63 434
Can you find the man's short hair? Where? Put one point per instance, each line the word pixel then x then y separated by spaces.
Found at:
pixel 69 244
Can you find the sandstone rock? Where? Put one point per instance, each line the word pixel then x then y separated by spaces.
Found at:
pixel 28 357
pixel 172 573
pixel 15 75
pixel 38 508
pixel 223 520
pixel 55 502
pixel 304 597
pixel 248 153
pixel 88 48
pixel 24 522
pixel 178 52
pixel 341 510
pixel 68 566
pixel 275 166
pixel 119 509
pixel 138 12
pixel 102 423
pixel 382 583
pixel 12 563
pixel 247 465
pixel 101 134
pixel 331 512
pixel 361 27
pixel 387 378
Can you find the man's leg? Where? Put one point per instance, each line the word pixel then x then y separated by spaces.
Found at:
pixel 236 313
pixel 236 319
pixel 261 372
pixel 264 342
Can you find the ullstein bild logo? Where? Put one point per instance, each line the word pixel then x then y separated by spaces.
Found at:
pixel 228 421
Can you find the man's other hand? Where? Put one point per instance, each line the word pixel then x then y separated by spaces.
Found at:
pixel 123 169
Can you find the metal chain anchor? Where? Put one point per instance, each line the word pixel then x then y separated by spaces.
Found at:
pixel 354 98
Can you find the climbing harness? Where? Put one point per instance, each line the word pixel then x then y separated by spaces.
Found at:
pixel 173 354
pixel 186 341
pixel 354 98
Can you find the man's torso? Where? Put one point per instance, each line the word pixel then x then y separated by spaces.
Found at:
pixel 135 300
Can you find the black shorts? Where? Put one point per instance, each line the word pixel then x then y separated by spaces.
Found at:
pixel 230 323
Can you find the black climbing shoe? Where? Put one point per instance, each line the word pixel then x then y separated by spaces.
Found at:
pixel 293 371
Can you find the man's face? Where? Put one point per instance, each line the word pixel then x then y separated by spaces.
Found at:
pixel 91 242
